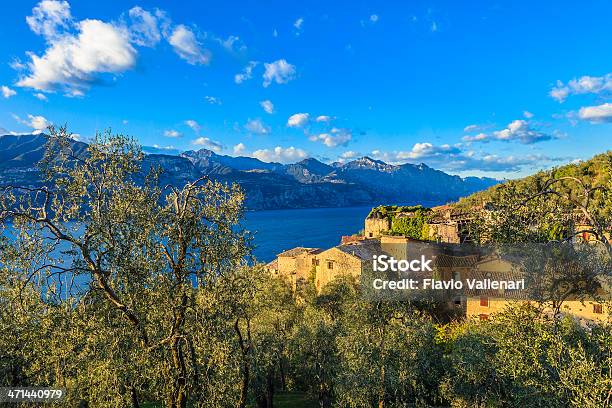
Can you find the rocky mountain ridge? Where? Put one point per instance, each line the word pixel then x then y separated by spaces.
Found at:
pixel 305 184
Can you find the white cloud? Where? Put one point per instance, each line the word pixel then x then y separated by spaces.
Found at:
pixel 453 158
pixel 208 144
pixel 472 128
pixel 427 150
pixel 267 106
pixel 48 17
pixel 257 126
pixel 374 18
pixel 521 130
pixel 336 137
pixel 17 65
pixel 528 114
pixel 298 25
pixel 41 96
pixel 79 53
pixel 434 27
pixel 349 155
pixel 157 149
pixel 144 26
pixel 187 46
pixel 232 44
pixel 7 92
pixel 298 119
pixel 480 137
pixel 596 114
pixel 239 149
pixel 72 62
pixel 36 122
pixel 280 154
pixel 279 71
pixel 213 100
pixel 560 92
pixel 195 126
pixel 246 74
pixel 583 85
pixel 495 163
pixel 172 133
pixel 324 118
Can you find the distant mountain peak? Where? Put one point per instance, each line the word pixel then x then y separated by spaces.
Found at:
pixel 201 153
pixel 309 160
pixel 368 159
pixel 368 163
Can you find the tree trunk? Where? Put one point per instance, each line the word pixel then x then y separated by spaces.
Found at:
pixel 244 348
pixel 270 390
pixel 283 380
pixel 179 394
pixel 381 391
pixel 134 395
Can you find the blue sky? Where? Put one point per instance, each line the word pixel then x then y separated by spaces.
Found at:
pixel 473 88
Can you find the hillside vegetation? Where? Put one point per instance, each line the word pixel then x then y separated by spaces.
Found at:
pixel 559 204
pixel 595 172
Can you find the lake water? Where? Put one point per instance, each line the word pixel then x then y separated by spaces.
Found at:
pixel 275 231
pixel 279 230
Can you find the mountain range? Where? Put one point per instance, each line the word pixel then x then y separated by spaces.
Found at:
pixel 305 184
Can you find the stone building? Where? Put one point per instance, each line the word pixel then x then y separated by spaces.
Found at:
pixel 376 224
pixel 448 225
pixel 345 260
pixel 296 264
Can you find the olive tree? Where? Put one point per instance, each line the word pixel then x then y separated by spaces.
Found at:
pixel 102 237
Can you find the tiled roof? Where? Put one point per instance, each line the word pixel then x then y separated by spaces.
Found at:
pixel 364 250
pixel 450 261
pixel 298 251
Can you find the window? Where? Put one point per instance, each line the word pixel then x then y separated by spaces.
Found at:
pixel 330 265
pixel 456 276
pixel 483 316
pixel 371 234
pixel 484 301
pixel 597 308
pixel 315 262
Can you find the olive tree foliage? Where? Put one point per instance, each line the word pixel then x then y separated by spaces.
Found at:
pixel 347 351
pixel 519 359
pixel 111 274
pixel 389 357
pixel 314 352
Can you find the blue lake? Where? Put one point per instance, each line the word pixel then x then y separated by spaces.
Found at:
pixel 278 230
